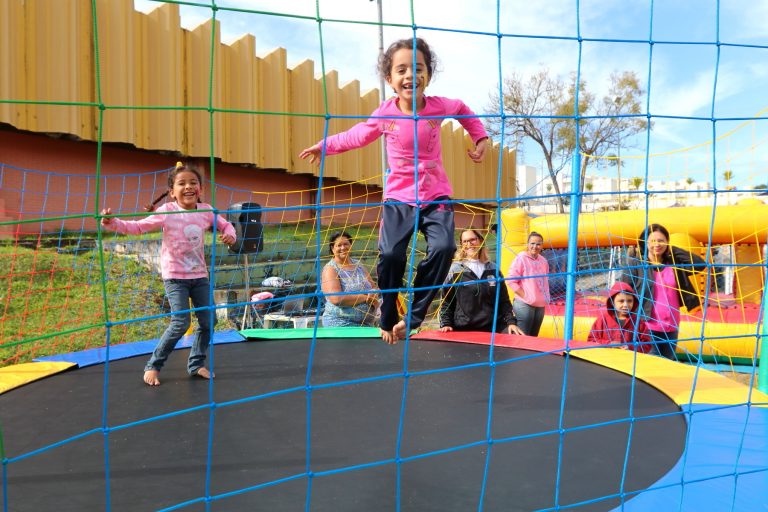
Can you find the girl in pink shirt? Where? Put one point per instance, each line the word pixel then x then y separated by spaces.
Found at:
pixel 527 277
pixel 410 154
pixel 182 264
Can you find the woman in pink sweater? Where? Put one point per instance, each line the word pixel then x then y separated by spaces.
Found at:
pixel 527 277
pixel 182 265
pixel 417 189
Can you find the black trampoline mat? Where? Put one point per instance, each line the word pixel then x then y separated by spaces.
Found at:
pixel 259 458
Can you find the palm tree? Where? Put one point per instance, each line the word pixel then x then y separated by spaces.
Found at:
pixel 588 186
pixel 636 182
pixel 728 176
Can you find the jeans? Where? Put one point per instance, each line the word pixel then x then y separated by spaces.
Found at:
pixel 436 223
pixel 529 318
pixel 179 291
pixel 665 343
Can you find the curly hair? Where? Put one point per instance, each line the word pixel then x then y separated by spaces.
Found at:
pixel 385 59
pixel 180 167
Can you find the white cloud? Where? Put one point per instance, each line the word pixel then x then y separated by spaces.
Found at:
pixel 744 21
pixel 683 98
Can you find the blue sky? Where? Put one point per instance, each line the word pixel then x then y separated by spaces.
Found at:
pixel 679 67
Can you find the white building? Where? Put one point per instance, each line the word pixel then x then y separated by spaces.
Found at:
pixel 605 192
pixel 528 181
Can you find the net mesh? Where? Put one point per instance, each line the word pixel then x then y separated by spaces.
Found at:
pixel 66 286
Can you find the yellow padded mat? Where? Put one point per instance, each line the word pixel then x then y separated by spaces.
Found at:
pixel 20 374
pixel 675 380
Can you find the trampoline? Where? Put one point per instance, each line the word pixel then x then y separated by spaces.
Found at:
pixel 338 423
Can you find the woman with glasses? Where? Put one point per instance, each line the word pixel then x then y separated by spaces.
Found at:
pixel 469 303
pixel 528 279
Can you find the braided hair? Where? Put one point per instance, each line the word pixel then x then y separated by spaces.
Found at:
pixel 180 167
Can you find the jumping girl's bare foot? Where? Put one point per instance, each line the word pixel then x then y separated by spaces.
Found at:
pixel 204 373
pixel 388 337
pixel 399 330
pixel 150 377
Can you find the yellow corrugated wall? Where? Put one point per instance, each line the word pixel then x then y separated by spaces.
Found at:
pixel 329 101
pixel 239 129
pixel 305 97
pixel 58 64
pixel 159 72
pixel 118 57
pixel 350 162
pixel 13 82
pixel 154 82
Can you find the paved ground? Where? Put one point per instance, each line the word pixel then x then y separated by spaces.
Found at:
pixel 744 378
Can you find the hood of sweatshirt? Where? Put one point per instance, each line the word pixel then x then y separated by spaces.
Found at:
pixel 617 288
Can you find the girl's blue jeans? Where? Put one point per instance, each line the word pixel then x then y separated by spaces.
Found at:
pixel 179 292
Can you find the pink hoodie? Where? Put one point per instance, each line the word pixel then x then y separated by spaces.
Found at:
pixel 535 289
pixel 181 255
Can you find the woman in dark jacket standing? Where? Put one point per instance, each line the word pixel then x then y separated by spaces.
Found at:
pixel 469 306
pixel 660 274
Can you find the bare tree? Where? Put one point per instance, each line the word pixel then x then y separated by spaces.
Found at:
pixel 532 109
pixel 605 124
pixel 543 110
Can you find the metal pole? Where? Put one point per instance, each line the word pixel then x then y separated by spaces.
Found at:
pixel 762 375
pixel 382 94
pixel 246 322
pixel 619 172
pixel 573 231
pixel 381 47
pixel 617 101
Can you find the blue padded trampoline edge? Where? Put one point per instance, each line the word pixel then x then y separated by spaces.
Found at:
pixel 723 468
pixel 92 356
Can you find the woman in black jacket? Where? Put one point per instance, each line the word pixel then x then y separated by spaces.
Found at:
pixel 469 306
pixel 660 274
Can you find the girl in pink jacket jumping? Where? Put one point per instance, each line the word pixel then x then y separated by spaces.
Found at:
pixel 424 201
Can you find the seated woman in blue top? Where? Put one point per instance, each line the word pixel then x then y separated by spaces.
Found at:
pixel 469 306
pixel 342 275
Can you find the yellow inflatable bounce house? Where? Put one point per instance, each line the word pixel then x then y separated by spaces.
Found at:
pixel 725 329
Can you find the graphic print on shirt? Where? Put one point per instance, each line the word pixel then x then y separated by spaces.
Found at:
pixel 190 247
pixel 428 135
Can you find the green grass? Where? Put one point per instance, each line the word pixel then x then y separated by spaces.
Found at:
pixel 53 302
pixel 53 299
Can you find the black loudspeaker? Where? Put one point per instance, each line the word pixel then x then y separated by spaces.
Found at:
pixel 246 218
